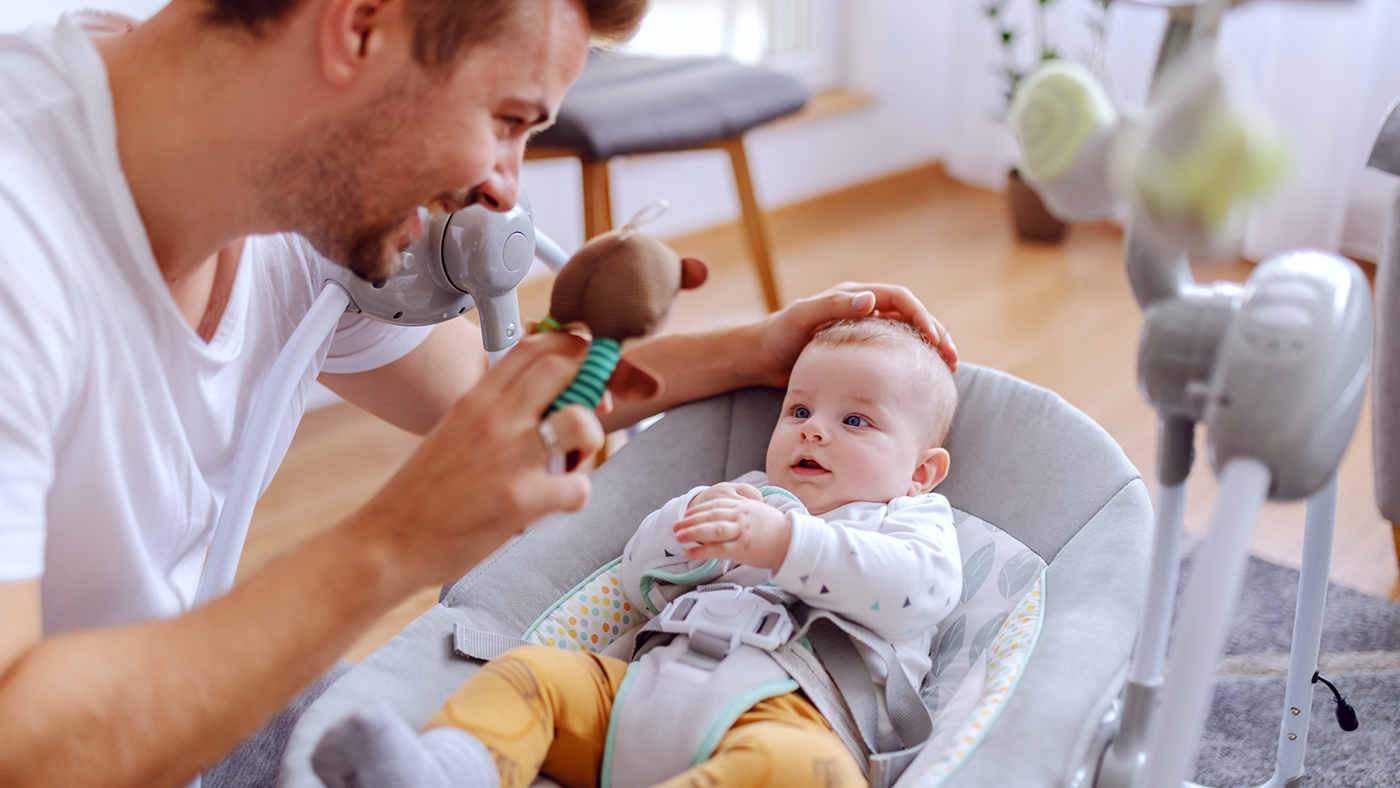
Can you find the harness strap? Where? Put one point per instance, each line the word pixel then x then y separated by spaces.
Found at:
pixel 480 644
pixel 833 638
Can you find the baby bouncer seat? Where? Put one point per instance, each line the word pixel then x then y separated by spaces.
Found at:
pixel 1054 525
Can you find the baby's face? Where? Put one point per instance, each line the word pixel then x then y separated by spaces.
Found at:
pixel 850 430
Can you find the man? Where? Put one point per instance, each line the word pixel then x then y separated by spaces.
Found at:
pixel 140 313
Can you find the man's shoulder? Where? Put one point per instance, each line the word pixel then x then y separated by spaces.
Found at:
pixel 35 80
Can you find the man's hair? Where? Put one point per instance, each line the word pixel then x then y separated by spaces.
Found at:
pixel 442 29
pixel 941 393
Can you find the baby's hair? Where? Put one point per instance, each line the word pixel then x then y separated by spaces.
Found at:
pixel 942 392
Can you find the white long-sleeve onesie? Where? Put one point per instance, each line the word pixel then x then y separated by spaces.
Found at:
pixel 893 568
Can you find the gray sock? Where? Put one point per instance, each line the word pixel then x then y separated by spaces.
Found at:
pixel 375 748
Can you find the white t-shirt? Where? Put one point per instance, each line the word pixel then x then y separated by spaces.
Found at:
pixel 118 423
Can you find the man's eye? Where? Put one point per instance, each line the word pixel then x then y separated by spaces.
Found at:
pixel 853 421
pixel 800 412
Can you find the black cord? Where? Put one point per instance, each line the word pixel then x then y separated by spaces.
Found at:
pixel 1346 715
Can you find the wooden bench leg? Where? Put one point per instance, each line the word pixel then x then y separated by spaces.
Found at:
pixel 754 226
pixel 597 199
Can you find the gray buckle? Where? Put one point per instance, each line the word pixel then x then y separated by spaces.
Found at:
pixel 720 618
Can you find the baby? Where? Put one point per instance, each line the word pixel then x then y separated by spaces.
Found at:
pixel 846 522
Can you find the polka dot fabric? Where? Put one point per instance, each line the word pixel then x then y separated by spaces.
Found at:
pixel 589 618
pixel 1006 659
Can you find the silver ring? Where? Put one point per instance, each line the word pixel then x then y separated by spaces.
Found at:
pixel 550 436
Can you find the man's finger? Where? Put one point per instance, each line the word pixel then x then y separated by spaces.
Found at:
pixel 574 430
pixel 898 302
pixel 549 493
pixel 542 381
pixel 526 353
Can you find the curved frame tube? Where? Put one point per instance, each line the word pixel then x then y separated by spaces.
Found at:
pixel 1217 575
pixel 255 448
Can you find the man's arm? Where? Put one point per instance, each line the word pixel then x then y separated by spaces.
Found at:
pixel 153 704
pixel 416 391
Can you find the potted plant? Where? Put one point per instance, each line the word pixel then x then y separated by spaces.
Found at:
pixel 1032 220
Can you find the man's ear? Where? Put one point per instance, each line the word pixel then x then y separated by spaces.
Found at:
pixel 348 32
pixel 930 472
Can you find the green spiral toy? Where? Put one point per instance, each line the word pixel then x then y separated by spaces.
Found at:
pixel 592 379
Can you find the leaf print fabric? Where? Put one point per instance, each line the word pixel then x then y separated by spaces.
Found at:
pixel 976 569
pixel 1017 573
pixel 998 572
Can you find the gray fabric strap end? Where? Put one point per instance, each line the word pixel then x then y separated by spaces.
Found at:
pixel 1385 154
pixel 705 650
pixel 886 767
pixel 776 595
pixel 482 645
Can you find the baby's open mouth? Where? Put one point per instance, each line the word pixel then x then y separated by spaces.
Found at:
pixel 810 463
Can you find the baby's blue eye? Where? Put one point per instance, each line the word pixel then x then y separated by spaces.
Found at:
pixel 800 412
pixel 853 421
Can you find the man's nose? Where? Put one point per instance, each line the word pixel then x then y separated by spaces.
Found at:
pixel 501 189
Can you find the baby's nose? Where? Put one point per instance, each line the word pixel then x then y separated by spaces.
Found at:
pixel 811 435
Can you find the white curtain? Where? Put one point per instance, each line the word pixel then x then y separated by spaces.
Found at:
pixel 1326 70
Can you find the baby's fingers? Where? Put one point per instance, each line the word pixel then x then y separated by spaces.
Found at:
pixel 711 532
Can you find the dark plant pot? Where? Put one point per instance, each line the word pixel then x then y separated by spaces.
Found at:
pixel 1033 221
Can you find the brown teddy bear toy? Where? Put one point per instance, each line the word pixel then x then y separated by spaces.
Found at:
pixel 621 285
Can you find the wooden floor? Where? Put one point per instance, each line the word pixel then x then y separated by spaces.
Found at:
pixel 1057 315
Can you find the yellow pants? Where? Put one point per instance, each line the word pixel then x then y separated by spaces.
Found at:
pixel 545 711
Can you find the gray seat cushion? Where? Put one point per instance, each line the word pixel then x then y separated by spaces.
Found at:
pixel 1023 458
pixel 624 104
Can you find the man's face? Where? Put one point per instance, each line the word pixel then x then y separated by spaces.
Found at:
pixel 448 138
pixel 851 428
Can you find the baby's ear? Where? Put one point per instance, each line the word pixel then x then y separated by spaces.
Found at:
pixel 930 472
pixel 632 381
pixel 694 272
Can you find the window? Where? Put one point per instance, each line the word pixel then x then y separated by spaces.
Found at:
pixel 800 37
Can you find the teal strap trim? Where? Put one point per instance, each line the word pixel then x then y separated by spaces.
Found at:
pixel 770 490
pixel 732 711
pixel 549 324
pixel 614 719
pixel 587 389
pixel 552 608
pixel 693 576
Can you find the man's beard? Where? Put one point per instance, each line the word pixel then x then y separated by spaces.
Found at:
pixel 321 183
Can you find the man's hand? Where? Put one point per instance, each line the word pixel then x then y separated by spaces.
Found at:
pixel 782 335
pixel 732 523
pixel 480 477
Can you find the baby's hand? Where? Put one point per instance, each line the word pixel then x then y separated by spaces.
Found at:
pixel 733 490
pixel 736 527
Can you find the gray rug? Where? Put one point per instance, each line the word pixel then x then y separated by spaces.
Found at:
pixel 1360 654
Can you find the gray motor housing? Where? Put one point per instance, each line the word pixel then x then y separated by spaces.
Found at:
pixel 1291 375
pixel 471 259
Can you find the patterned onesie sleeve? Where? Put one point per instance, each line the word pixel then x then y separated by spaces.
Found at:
pixel 897 581
pixel 654 568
